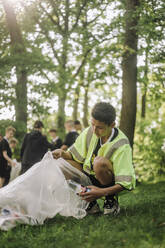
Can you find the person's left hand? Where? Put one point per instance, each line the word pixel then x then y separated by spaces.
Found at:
pixel 92 195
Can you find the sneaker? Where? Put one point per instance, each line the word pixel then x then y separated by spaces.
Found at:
pixel 111 206
pixel 93 208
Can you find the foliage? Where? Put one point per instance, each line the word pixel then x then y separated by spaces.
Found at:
pixel 149 156
pixel 73 58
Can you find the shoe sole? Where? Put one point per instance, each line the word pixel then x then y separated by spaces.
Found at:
pixel 114 212
pixel 94 210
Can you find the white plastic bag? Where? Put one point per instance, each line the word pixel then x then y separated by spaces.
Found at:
pixel 15 170
pixel 41 193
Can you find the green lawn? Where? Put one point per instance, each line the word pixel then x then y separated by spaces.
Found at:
pixel 141 223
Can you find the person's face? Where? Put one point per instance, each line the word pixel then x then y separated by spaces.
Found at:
pixel 78 127
pixel 100 128
pixel 13 145
pixel 68 127
pixel 10 134
pixel 52 134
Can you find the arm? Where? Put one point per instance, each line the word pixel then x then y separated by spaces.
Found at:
pixel 10 161
pixel 97 192
pixel 47 144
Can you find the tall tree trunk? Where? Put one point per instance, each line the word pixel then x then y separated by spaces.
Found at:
pixel 143 109
pixel 18 51
pixel 129 68
pixel 62 92
pixel 85 107
pixel 61 115
pixel 75 104
pixel 144 96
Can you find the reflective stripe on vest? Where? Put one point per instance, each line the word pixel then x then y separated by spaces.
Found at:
pixel 76 154
pixel 115 146
pixel 122 178
pixel 89 137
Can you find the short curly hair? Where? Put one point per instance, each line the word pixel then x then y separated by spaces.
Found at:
pixel 104 112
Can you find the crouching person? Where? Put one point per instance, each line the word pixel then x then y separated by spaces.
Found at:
pixel 103 153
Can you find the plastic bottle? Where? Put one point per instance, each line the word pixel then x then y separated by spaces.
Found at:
pixel 77 187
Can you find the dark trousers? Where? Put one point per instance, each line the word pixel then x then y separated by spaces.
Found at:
pixel 25 167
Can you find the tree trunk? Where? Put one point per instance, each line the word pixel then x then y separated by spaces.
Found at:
pixel 18 51
pixel 63 77
pixel 75 104
pixel 129 68
pixel 85 108
pixel 144 96
pixel 143 110
pixel 61 115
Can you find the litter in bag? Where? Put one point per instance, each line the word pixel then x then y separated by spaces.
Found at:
pixel 41 193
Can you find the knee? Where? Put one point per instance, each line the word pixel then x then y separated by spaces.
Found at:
pixel 101 164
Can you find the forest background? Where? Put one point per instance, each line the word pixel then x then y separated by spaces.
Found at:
pixel 59 57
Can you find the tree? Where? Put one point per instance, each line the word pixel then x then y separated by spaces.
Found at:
pixel 129 68
pixel 18 52
pixel 60 24
pixel 151 39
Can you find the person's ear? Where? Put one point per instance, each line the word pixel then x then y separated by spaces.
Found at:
pixel 113 124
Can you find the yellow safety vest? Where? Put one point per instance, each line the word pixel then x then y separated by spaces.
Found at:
pixel 118 151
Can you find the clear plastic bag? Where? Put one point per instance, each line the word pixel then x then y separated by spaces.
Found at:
pixel 15 170
pixel 41 193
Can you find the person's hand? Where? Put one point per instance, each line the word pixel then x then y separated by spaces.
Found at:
pixel 92 195
pixel 58 153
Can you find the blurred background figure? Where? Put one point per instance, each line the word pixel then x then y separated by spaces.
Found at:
pixel 78 126
pixel 5 156
pixel 15 170
pixel 34 146
pixel 1 137
pixel 55 140
pixel 71 134
pixel 13 143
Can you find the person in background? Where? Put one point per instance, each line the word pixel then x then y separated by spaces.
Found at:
pixel 71 135
pixel 5 156
pixel 15 170
pixel 78 126
pixel 56 141
pixel 13 143
pixel 1 137
pixel 34 147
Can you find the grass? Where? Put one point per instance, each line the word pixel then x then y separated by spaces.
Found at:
pixel 141 224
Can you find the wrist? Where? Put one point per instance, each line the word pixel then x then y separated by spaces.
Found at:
pixel 106 191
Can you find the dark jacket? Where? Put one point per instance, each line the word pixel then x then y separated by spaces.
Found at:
pixel 34 146
pixel 4 167
pixel 70 138
pixel 57 143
